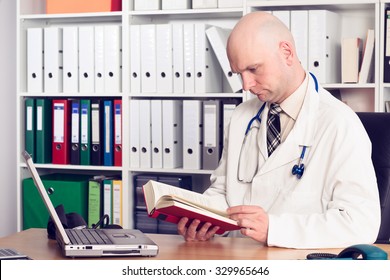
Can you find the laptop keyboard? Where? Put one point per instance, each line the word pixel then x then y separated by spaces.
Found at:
pixel 7 253
pixel 11 254
pixel 87 236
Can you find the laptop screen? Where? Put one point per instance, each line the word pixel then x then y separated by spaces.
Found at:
pixel 42 191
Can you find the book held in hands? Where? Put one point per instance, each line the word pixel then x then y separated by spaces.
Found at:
pixel 170 204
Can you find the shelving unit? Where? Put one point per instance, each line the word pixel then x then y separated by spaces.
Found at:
pixel 31 13
pixel 356 17
pixel 361 15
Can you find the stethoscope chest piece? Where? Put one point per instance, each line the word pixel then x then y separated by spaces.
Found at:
pixel 298 170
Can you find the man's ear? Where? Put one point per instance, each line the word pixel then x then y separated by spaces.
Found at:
pixel 287 51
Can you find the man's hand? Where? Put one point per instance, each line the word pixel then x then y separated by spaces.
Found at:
pixel 253 220
pixel 192 233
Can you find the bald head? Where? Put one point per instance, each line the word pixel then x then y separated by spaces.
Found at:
pixel 259 28
pixel 261 49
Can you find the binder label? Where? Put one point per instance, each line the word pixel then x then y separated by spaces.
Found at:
pixel 210 121
pixel 95 120
pixel 107 120
pixel 59 120
pixel 118 121
pixel 75 123
pixel 84 124
pixel 39 118
pixel 29 118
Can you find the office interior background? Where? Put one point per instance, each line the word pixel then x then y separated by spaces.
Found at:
pixel 8 117
pixel 9 109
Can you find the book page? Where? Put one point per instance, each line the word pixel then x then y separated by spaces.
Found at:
pixel 189 197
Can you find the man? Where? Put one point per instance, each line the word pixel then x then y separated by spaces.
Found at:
pixel 305 180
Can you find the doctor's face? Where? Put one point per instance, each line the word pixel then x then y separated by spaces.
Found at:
pixel 261 69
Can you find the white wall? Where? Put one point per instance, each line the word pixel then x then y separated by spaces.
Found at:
pixel 7 117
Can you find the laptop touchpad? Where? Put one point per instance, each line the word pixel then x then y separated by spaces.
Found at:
pixel 123 235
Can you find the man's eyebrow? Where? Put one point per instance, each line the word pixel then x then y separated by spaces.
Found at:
pixel 254 65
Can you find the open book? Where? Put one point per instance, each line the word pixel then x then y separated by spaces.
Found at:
pixel 170 204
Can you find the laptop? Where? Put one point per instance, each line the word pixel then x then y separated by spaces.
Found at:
pixel 12 254
pixel 93 242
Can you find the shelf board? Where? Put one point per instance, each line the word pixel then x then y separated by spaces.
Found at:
pixel 188 95
pixel 227 11
pixel 337 4
pixel 349 86
pixel 71 15
pixel 66 95
pixel 75 167
pixel 172 171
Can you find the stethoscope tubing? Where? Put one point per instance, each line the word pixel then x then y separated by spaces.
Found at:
pixel 299 168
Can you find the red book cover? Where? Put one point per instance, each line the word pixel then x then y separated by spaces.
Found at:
pixel 174 213
pixel 61 132
pixel 83 6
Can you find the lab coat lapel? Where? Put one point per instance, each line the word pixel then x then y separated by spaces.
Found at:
pixel 286 152
pixel 239 125
pixel 301 135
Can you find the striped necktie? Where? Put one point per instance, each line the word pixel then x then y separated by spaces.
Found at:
pixel 273 128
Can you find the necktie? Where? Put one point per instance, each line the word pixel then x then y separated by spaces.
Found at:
pixel 273 128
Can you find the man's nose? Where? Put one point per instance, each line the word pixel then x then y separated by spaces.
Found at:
pixel 247 82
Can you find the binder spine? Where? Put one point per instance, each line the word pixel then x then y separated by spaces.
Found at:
pixel 75 133
pixel 61 131
pixel 85 132
pixel 108 134
pixel 118 132
pixel 96 134
pixel 43 131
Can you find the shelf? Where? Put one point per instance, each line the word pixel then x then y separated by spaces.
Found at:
pixel 322 4
pixel 349 86
pixel 76 167
pixel 74 18
pixel 66 95
pixel 171 171
pixel 71 16
pixel 186 95
pixel 192 12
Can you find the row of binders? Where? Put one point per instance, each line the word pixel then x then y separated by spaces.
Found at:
pixel 317 39
pixel 105 198
pixel 184 134
pixel 141 219
pixel 164 58
pixel 180 58
pixel 71 59
pixel 142 5
pixel 74 131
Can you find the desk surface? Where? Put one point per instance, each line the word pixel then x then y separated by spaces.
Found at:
pixel 35 244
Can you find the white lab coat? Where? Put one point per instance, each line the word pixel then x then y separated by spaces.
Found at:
pixel 334 204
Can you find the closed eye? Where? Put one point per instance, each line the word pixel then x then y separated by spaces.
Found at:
pixel 253 68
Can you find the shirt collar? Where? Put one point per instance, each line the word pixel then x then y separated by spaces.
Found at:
pixel 292 105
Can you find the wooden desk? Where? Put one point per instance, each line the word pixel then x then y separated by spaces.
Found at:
pixel 35 244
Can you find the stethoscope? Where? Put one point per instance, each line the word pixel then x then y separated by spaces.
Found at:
pixel 298 169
